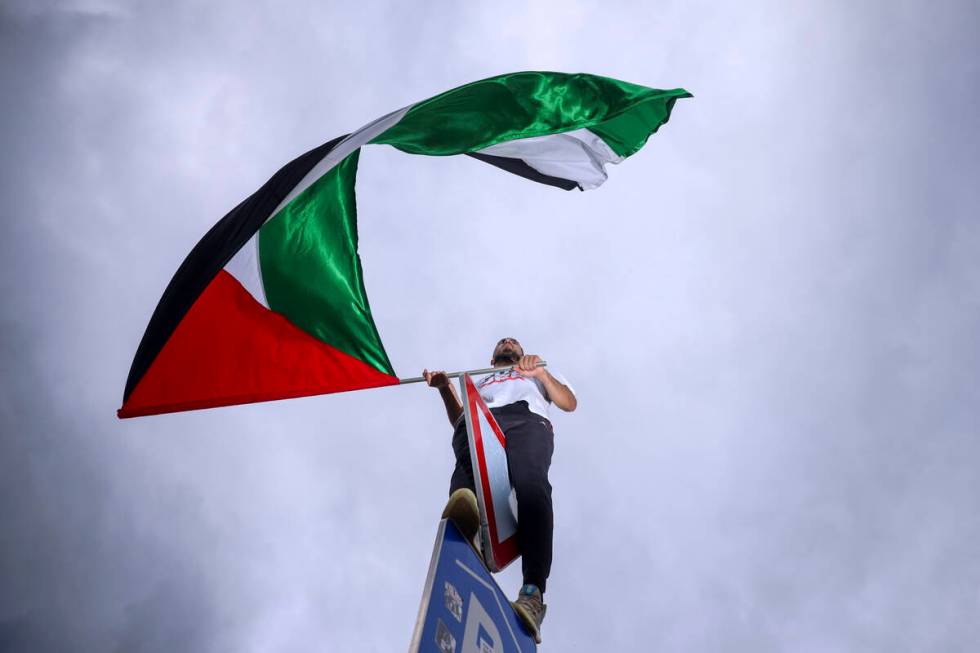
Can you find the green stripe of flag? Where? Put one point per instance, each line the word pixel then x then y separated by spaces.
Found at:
pixel 527 104
pixel 311 271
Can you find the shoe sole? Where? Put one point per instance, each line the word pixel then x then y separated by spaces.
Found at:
pixel 463 511
pixel 528 622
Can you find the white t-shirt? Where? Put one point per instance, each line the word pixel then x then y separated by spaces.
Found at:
pixel 508 387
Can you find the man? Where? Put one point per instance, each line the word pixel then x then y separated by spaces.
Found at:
pixel 518 397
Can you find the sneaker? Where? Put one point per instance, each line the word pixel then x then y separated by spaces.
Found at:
pixel 461 509
pixel 530 607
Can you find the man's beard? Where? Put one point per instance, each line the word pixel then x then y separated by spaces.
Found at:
pixel 509 357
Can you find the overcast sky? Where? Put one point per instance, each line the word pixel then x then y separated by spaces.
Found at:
pixel 771 315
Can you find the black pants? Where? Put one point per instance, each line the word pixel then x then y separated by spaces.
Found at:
pixel 530 445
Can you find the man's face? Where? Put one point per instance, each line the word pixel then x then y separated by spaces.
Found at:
pixel 507 351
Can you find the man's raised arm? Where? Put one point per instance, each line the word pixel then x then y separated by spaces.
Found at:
pixel 557 391
pixel 439 380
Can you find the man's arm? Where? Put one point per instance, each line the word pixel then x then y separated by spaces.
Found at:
pixel 439 380
pixel 557 391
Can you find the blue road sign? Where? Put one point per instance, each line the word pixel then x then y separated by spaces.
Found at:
pixel 463 609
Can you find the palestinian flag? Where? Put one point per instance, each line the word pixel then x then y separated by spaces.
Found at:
pixel 270 304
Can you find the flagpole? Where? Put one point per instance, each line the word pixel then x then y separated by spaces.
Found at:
pixel 456 375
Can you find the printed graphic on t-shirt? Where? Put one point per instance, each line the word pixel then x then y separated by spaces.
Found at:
pixel 510 386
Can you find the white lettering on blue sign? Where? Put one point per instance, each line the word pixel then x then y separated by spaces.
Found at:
pixel 481 634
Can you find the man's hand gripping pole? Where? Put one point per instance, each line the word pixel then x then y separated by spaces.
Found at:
pixel 456 375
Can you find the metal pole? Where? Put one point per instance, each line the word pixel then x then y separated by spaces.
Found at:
pixel 455 375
